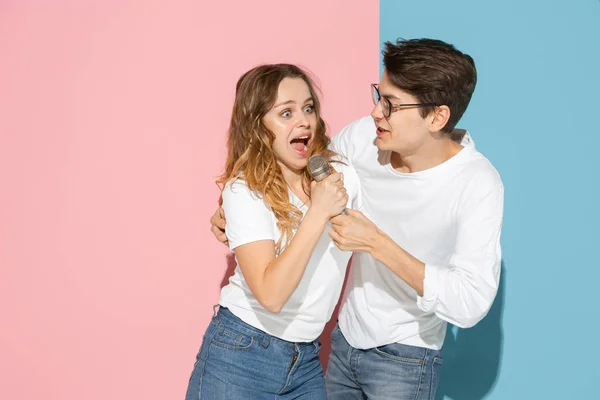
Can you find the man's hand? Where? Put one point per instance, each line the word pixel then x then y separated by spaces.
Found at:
pixel 217 222
pixel 354 232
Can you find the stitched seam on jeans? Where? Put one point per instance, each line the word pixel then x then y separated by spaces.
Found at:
pixel 431 381
pixel 400 359
pixel 230 346
pixel 202 376
pixel 421 378
pixel 293 366
pixel 200 383
pixel 432 389
pixel 354 371
pixel 209 335
pixel 246 329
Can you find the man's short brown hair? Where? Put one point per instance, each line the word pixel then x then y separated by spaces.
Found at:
pixel 434 72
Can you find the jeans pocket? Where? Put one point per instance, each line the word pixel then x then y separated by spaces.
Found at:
pixel 436 369
pixel 391 352
pixel 228 338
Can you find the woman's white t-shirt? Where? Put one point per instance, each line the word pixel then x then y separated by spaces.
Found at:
pixel 310 306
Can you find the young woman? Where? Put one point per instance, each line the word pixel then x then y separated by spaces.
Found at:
pixel 263 341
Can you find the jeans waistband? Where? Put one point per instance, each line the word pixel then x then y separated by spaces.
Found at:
pixel 227 317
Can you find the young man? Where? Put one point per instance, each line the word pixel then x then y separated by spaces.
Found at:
pixel 429 251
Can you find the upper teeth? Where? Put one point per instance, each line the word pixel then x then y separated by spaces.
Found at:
pixel 302 137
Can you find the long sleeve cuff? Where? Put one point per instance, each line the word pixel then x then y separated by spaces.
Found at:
pixel 428 301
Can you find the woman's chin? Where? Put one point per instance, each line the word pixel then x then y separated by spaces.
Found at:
pixel 296 165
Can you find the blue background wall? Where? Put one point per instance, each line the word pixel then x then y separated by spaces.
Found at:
pixel 536 115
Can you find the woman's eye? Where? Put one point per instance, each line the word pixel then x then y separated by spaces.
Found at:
pixel 309 109
pixel 286 113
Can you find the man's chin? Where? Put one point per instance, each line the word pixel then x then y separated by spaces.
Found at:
pixel 382 143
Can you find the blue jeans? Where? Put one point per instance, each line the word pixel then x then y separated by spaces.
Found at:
pixel 395 371
pixel 240 362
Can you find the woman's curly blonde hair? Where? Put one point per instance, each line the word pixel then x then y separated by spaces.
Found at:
pixel 250 154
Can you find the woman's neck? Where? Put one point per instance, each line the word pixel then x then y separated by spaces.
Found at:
pixel 295 181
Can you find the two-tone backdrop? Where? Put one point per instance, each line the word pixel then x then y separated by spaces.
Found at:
pixel 112 131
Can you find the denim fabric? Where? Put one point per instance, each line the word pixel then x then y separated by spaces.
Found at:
pixel 394 371
pixel 237 361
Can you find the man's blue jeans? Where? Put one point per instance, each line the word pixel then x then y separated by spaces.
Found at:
pixel 394 371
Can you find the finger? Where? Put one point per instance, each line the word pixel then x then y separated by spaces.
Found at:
pixel 222 238
pixel 356 214
pixel 222 212
pixel 336 220
pixel 334 235
pixel 218 220
pixel 338 228
pixel 337 240
pixel 339 221
pixel 338 185
pixel 334 178
pixel 343 195
pixel 220 235
pixel 215 231
pixel 313 185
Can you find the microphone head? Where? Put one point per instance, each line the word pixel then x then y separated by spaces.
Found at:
pixel 318 167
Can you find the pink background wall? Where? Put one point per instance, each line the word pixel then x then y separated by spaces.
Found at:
pixel 112 123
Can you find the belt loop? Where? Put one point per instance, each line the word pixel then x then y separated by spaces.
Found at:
pixel 266 340
pixel 215 309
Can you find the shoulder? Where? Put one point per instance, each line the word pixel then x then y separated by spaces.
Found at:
pixel 480 179
pixel 236 190
pixel 358 126
pixel 354 137
pixel 483 172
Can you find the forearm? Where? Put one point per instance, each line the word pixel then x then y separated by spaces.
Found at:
pixel 400 262
pixel 283 274
pixel 462 291
pixel 462 287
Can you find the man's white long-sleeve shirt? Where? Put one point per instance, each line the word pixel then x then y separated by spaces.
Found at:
pixel 449 217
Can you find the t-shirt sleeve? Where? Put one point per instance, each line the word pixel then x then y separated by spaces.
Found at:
pixel 343 142
pixel 352 185
pixel 248 218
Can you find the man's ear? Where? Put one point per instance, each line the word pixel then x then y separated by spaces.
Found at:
pixel 441 115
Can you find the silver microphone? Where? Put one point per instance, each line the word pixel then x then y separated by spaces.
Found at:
pixel 319 168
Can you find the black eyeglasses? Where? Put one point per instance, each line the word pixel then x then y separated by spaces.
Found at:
pixel 387 107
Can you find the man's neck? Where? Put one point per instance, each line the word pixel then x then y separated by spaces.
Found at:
pixel 428 156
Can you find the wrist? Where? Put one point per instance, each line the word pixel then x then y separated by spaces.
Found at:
pixel 377 244
pixel 317 215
